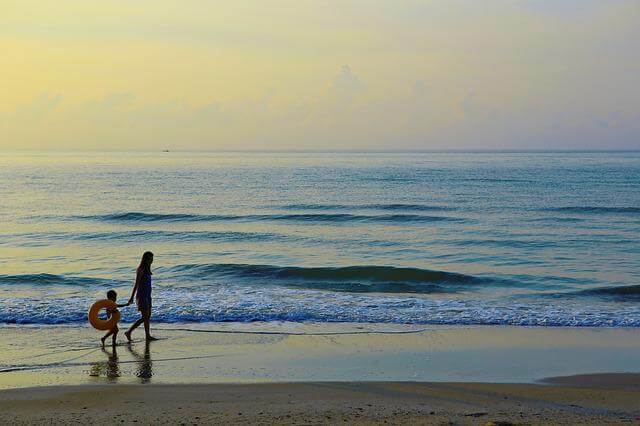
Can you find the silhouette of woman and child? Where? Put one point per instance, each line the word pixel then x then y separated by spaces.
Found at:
pixel 142 293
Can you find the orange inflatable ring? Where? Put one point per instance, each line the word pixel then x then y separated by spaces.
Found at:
pixel 101 324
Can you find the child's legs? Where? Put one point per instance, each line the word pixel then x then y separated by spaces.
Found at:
pixel 114 333
pixel 109 333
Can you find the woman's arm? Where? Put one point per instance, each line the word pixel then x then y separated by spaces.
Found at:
pixel 135 288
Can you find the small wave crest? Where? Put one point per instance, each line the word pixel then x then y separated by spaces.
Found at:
pixel 385 207
pixel 149 217
pixel 146 235
pixel 51 279
pixel 628 291
pixel 140 236
pixel 334 217
pixel 596 210
pixel 355 279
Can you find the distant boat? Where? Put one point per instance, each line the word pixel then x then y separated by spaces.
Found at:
pixel 165 150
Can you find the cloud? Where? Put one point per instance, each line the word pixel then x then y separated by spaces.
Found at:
pixel 343 114
pixel 38 108
pixel 111 101
pixel 468 104
pixel 113 108
pixel 346 82
pixel 419 88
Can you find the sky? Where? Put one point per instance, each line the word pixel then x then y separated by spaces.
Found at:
pixel 319 75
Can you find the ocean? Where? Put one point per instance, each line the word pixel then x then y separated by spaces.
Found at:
pixel 529 238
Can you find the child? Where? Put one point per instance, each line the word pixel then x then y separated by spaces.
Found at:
pixel 112 295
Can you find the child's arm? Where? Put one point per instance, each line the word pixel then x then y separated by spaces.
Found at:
pixel 110 313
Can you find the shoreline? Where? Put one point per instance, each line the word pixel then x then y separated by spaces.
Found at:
pixel 292 373
pixel 296 352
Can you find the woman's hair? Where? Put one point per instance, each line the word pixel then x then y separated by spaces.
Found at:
pixel 145 262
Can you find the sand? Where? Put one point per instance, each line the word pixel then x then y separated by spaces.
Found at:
pixel 314 403
pixel 311 374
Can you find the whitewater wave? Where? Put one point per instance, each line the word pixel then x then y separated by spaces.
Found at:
pixel 246 304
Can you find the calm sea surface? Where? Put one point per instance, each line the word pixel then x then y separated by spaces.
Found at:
pixel 431 238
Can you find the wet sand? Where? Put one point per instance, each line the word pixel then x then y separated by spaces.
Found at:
pixel 310 374
pixel 255 352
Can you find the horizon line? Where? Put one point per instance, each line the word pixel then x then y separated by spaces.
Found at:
pixel 333 151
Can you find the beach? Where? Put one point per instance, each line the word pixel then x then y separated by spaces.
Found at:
pixel 317 373
pixel 322 402
pixel 320 212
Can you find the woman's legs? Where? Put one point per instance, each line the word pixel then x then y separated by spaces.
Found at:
pixel 145 318
pixel 133 327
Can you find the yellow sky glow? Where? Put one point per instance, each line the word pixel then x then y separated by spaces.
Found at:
pixel 291 74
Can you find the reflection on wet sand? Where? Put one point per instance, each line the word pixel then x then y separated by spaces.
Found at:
pixel 111 367
pixel 145 365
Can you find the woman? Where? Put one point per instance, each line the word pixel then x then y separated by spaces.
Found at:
pixel 142 293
